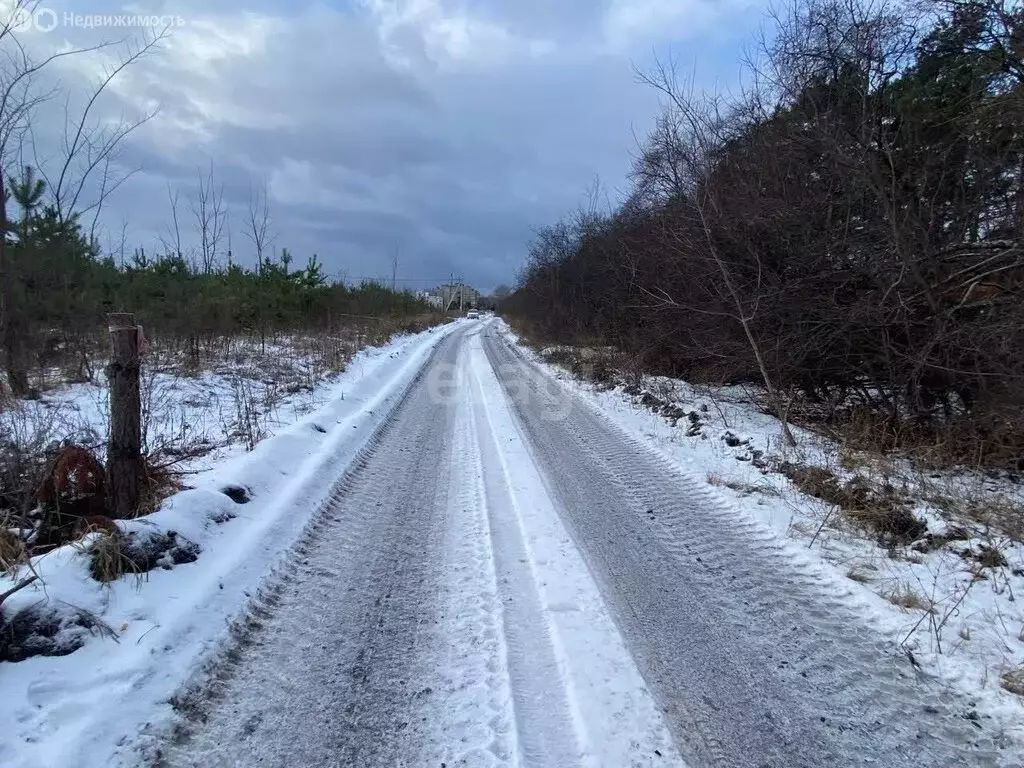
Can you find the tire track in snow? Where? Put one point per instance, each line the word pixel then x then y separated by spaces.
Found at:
pixel 476 724
pixel 547 733
pixel 332 666
pixel 756 662
pixel 591 689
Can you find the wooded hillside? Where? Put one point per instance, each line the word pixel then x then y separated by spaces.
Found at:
pixel 846 233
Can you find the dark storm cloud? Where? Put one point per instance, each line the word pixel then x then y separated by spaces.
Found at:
pixel 448 130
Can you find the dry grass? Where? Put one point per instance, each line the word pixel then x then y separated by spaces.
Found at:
pixel 563 357
pixel 600 365
pixel 876 507
pixel 747 489
pixel 904 596
pixel 160 482
pixel 112 556
pixel 859 576
pixel 939 443
pixel 12 550
pixel 107 561
pixel 1013 681
pixel 990 510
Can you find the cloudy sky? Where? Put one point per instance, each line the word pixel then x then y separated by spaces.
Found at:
pixel 447 130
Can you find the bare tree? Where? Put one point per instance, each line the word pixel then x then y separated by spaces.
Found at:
pixel 20 96
pixel 209 212
pixel 89 144
pixel 258 222
pixel 172 243
pixel 659 171
pixel 696 130
pixel 227 227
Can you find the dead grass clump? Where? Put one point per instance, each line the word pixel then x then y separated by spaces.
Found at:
pixel 813 481
pixel 877 508
pixel 746 489
pixel 979 438
pixel 861 428
pixel 905 597
pixel 1000 513
pixel 934 541
pixel 12 550
pixel 112 556
pixel 851 460
pixel 859 576
pixel 107 561
pixel 882 511
pixel 599 365
pixel 589 363
pixel 986 556
pixel 1013 681
pixel 563 357
pixel 978 503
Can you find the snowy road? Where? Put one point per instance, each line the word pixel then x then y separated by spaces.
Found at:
pixel 505 578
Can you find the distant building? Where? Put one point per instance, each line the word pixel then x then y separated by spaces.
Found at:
pixel 432 299
pixel 454 296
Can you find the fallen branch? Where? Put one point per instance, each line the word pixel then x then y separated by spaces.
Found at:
pixel 821 527
pixel 17 588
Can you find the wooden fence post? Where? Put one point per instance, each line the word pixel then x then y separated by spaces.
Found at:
pixel 124 449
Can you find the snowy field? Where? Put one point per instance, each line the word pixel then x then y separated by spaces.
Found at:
pixel 947 599
pixel 196 415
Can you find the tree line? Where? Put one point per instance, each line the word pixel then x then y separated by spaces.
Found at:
pixel 57 283
pixel 846 232
pixel 61 287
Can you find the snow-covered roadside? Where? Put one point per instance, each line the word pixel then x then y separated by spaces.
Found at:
pixel 243 393
pixel 974 631
pixel 73 710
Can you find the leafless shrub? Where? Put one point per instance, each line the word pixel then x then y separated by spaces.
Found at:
pixel 248 423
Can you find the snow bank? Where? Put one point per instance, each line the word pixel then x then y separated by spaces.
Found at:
pixel 73 710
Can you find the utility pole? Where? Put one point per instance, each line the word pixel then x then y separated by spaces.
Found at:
pixel 394 270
